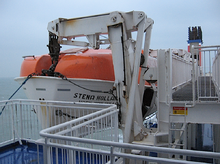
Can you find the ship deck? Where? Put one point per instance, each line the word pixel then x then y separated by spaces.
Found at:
pixel 20 154
pixel 92 138
pixel 29 152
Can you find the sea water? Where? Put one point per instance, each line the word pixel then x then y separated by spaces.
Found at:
pixel 8 86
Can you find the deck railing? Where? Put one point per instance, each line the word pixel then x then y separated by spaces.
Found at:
pixel 92 138
pixel 181 70
pixel 23 119
pixel 19 121
pixel 215 71
pixel 196 80
pixel 100 126
pixel 206 72
pixel 68 148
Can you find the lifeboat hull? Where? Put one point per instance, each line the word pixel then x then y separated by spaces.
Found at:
pixel 57 89
pixel 89 77
pixel 91 70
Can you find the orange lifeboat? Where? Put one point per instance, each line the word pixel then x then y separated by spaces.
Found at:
pixel 91 64
pixel 75 63
pixel 85 65
pixel 32 64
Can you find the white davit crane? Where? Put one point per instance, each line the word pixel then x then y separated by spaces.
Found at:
pixel 126 54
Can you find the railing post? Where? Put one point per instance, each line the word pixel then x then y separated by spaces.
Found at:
pixel 216 72
pixel 193 77
pixel 12 119
pixel 116 127
pixel 112 157
pixel 46 152
pixel 69 152
pixel 164 82
pixel 21 120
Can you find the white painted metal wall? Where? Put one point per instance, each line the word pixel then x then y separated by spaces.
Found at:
pixel 181 71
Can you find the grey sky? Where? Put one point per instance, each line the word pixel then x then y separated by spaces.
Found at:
pixel 23 27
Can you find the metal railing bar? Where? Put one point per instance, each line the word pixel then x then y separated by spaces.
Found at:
pixel 112 154
pixel 84 123
pixel 57 103
pixel 78 119
pixel 198 47
pixel 208 50
pixel 132 146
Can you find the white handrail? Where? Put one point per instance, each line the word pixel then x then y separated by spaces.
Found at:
pixel 53 128
pixel 195 153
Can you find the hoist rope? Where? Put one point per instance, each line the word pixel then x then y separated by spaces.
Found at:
pixel 91 90
pixel 28 77
pixel 64 78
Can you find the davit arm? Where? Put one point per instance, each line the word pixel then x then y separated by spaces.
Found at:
pixel 126 54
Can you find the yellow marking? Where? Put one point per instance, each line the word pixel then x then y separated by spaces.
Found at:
pixel 180 110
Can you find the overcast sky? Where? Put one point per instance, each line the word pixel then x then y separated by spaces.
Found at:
pixel 23 27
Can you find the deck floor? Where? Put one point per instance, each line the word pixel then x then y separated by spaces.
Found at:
pixel 20 154
pixel 15 153
pixel 206 91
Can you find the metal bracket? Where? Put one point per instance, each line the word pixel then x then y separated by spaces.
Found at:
pixel 149 22
pixel 151 75
pixel 93 41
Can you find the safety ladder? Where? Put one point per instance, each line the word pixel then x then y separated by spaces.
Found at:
pixel 177 128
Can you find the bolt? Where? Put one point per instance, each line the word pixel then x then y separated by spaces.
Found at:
pixel 140 15
pixel 114 19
